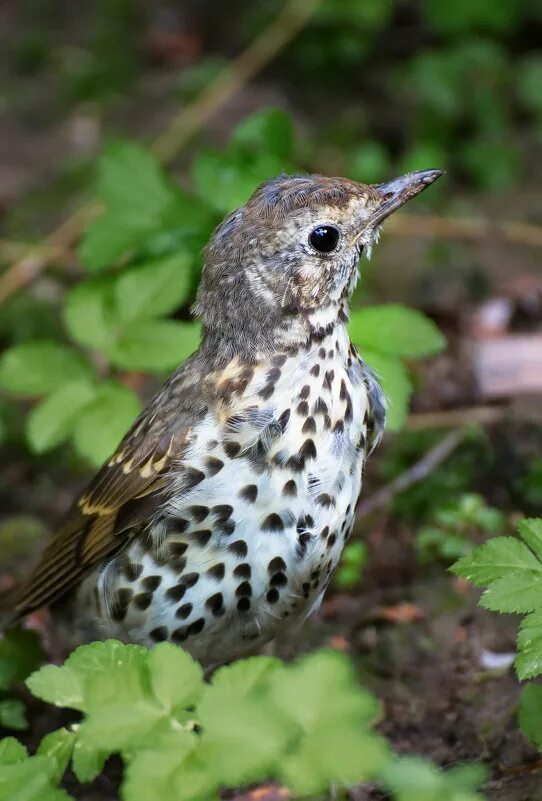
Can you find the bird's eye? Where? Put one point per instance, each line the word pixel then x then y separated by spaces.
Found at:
pixel 324 239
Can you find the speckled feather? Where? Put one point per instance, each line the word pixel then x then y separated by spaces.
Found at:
pixel 223 513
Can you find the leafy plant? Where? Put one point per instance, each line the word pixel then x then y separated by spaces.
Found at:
pixel 141 256
pixel 183 738
pixel 20 654
pixel 453 530
pixel 510 570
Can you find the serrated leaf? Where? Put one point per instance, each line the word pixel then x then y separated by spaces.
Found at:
pixel 102 423
pixel 153 289
pixel 530 713
pixel 39 368
pixel 30 780
pixel 88 760
pixel 514 592
pixel 269 130
pixel 155 345
pixel 58 746
pixel 417 779
pixel 499 557
pixel 150 773
pixel 13 714
pixel 89 313
pixel 395 381
pixel 396 331
pixel 51 422
pixel 244 677
pixel 20 654
pixel 529 659
pixel 11 750
pixel 100 656
pixel 176 678
pixel 530 530
pixel 60 686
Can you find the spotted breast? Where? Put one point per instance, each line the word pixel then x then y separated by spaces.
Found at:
pixel 252 546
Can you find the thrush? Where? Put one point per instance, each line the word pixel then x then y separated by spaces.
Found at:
pixel 222 515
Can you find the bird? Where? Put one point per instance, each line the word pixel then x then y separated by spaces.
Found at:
pixel 220 518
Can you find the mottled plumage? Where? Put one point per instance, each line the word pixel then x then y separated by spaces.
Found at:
pixel 223 513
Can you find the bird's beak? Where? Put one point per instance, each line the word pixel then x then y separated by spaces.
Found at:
pixel 395 193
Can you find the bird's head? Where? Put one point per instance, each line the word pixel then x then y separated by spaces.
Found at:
pixel 292 250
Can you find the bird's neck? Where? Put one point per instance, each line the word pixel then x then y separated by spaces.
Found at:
pixel 291 332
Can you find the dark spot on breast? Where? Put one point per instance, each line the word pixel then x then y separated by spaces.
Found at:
pixel 266 392
pixel 159 634
pixel 308 449
pixel 283 420
pixel 325 500
pixel 176 592
pixel 131 571
pixel 328 379
pixel 143 600
pixel 243 604
pixel 189 579
pixel 315 370
pixel 305 392
pixel 277 563
pixel 178 525
pixel 272 595
pixel 324 533
pixel 309 426
pixel 217 571
pixel 196 626
pixel 338 428
pixel 198 513
pixel 306 589
pixel 177 548
pixel 322 353
pixel 232 449
pixel 290 488
pixel 302 542
pixel 239 548
pixel 227 528
pixel 192 477
pixel 327 422
pixel 244 589
pixel 342 393
pixel 180 634
pixel 320 407
pixel 331 541
pixel 273 375
pixel 213 465
pixel 303 409
pixel 279 361
pixel 278 580
pixel 249 493
pixel 273 522
pixel 243 571
pixel 216 604
pixel 151 583
pixel 184 611
pixel 222 512
pixel 202 536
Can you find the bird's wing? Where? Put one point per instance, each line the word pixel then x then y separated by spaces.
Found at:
pixel 125 492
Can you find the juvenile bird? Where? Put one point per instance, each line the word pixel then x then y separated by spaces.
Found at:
pixel 221 517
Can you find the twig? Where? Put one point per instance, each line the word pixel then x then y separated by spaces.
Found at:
pixel 420 470
pixel 473 229
pixel 471 415
pixel 260 52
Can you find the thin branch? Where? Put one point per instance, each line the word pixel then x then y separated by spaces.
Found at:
pixel 420 470
pixel 260 52
pixel 468 228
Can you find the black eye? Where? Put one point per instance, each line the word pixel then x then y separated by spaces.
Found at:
pixel 324 239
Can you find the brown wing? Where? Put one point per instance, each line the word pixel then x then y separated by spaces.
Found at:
pixel 124 493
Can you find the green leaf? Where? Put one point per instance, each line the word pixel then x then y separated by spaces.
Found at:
pixel 515 592
pixel 87 760
pixel 530 713
pixel 13 714
pixel 155 345
pixel 529 659
pixel 269 130
pixel 103 422
pixel 20 654
pixel 60 686
pixel 417 779
pixel 101 656
pixel 153 289
pixel 530 530
pixel 176 679
pixel 11 750
pixel 58 746
pixel 89 313
pixel 529 81
pixel 30 780
pixel 501 556
pixel 39 368
pixel 52 421
pixel 151 773
pixel 140 201
pixel 396 384
pixel 396 331
pixel 117 727
pixel 226 180
pixel 245 677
